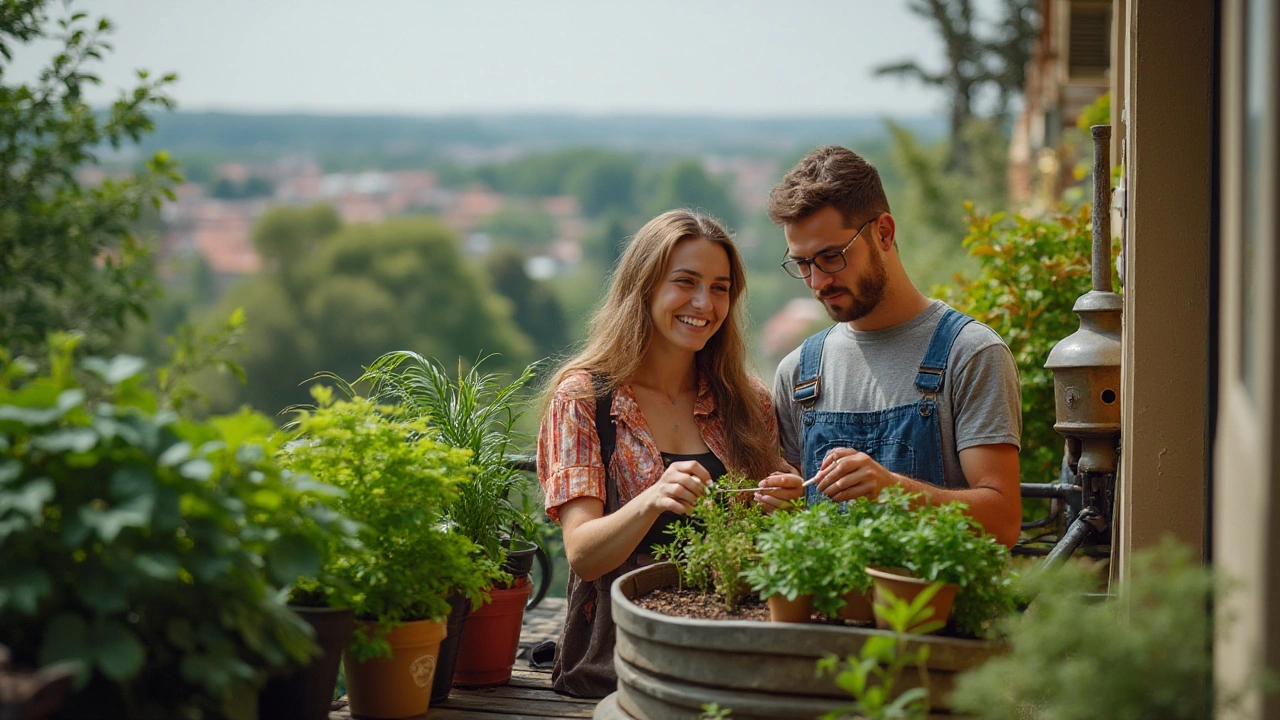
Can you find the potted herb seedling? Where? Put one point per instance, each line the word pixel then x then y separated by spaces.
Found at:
pixel 913 545
pixel 397 477
pixel 800 562
pixel 477 412
pixel 717 545
pixel 151 549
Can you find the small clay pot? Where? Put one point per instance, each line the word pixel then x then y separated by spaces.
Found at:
pixel 857 607
pixel 904 586
pixel 799 610
pixel 398 686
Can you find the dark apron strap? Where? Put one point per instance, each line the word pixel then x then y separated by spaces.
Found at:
pixel 584 656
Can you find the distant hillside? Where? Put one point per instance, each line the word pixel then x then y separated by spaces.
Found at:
pixel 459 137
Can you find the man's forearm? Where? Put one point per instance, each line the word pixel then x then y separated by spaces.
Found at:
pixel 997 512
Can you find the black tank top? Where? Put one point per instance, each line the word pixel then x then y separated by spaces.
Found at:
pixel 657 534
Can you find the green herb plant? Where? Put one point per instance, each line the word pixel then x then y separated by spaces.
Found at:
pixel 808 552
pixel 713 550
pixel 476 412
pixel 397 476
pixel 153 550
pixel 872 676
pixel 713 711
pixel 941 543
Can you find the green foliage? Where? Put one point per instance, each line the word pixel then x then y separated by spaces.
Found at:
pixel 713 711
pixel 1097 112
pixel 940 543
pixel 605 183
pixel 398 476
pixel 718 545
pixel 361 292
pixel 871 676
pixel 195 351
pixel 534 306
pixel 1032 271
pixel 525 226
pixel 286 236
pixel 812 551
pixel 475 412
pixel 685 183
pixel 1145 653
pixel 69 258
pixel 152 549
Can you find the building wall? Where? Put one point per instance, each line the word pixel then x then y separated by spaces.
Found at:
pixel 1169 72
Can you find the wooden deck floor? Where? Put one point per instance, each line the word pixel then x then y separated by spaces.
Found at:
pixel 528 696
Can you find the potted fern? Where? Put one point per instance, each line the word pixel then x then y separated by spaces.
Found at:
pixel 476 412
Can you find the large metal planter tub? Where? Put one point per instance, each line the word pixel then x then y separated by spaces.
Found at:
pixel 668 667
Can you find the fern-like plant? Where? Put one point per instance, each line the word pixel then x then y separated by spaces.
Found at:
pixel 475 412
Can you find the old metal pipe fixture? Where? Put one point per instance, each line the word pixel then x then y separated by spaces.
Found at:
pixel 1086 367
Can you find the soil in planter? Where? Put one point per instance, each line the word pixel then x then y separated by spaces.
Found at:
pixel 698 605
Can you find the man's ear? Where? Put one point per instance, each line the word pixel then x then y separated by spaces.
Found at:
pixel 888 231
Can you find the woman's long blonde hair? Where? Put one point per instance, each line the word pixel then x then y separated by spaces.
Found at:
pixel 621 327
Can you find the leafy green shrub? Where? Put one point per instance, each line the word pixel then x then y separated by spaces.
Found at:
pixel 152 549
pixel 476 412
pixel 940 543
pixel 397 476
pixel 1032 271
pixel 1146 653
pixel 718 544
pixel 811 552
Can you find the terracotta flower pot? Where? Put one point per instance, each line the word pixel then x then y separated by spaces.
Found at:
pixel 398 686
pixel 799 610
pixel 305 693
pixel 857 607
pixel 491 636
pixel 904 586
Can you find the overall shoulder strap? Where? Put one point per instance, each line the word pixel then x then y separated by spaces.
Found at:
pixel 808 374
pixel 934 366
pixel 608 432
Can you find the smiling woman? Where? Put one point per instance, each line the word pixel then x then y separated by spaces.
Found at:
pixel 655 406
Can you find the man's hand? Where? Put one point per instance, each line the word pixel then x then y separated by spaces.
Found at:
pixel 846 474
pixel 774 499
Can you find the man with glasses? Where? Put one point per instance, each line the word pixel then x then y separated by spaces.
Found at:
pixel 902 390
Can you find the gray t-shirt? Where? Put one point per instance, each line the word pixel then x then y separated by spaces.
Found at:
pixel 980 402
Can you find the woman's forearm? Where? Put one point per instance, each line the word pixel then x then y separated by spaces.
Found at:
pixel 596 544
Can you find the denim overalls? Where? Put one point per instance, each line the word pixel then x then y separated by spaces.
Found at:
pixel 905 439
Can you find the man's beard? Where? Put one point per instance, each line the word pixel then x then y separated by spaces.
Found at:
pixel 870 291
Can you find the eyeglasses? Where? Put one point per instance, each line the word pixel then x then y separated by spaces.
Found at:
pixel 831 261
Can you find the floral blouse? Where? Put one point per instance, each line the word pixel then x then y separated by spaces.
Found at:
pixel 569 463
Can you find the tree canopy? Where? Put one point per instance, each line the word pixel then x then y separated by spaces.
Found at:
pixel 69 256
pixel 355 294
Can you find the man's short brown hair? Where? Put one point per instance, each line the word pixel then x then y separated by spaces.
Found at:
pixel 833 176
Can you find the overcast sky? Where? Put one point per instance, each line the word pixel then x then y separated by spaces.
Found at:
pixel 722 57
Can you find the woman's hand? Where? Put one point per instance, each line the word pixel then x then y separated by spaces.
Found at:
pixel 775 499
pixel 678 489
